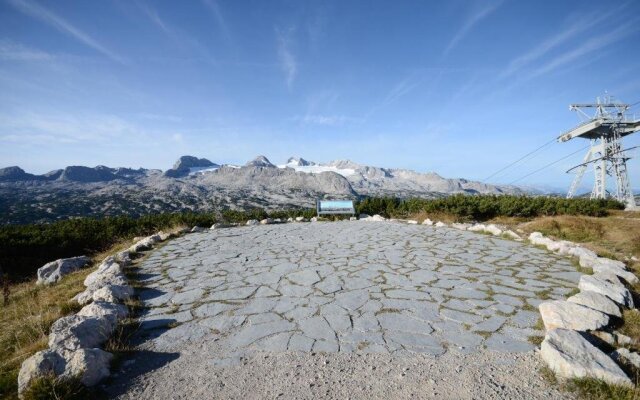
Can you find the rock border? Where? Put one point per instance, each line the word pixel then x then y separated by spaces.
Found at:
pixel 75 340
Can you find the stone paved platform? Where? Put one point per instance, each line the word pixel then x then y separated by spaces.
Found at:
pixel 382 287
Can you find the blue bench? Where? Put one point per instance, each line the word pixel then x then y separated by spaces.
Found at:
pixel 324 207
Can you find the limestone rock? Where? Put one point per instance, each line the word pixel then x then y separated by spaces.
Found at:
pixel 600 284
pixel 89 365
pixel 219 225
pixel 101 309
pixel 440 224
pixel 608 268
pixel 624 356
pixel 123 258
pixel 252 222
pixel 353 218
pixel 511 235
pixel 462 227
pixel 43 363
pixel 145 244
pixel 570 355
pixel 580 252
pixel 301 219
pixel 493 229
pixel 75 332
pixel 412 222
pixel 477 228
pixel 314 219
pixel 568 315
pixel 266 221
pixel 54 271
pixel 107 269
pixel 427 222
pixel 113 293
pixel 596 301
pixel 164 235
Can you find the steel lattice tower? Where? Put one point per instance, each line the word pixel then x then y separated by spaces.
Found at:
pixel 605 129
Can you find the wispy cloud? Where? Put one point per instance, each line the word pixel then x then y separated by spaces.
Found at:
pixel 326 120
pixel 287 59
pixel 13 51
pixel 41 128
pixel 578 26
pixel 471 21
pixel 35 10
pixel 177 36
pixel 592 45
pixel 214 7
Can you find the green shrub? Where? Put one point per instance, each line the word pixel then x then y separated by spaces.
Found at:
pixel 480 208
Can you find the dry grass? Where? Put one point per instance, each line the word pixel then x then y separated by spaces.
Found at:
pixel 25 321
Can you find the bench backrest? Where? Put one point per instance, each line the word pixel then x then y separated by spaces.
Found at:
pixel 335 207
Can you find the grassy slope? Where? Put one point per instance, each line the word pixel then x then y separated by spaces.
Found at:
pixel 25 321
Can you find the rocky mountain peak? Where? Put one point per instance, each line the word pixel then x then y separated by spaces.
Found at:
pixel 260 161
pixel 185 164
pixel 191 162
pixel 299 162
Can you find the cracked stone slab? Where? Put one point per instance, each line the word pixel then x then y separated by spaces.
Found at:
pixel 357 287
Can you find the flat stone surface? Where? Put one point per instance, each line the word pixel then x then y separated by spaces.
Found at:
pixel 348 287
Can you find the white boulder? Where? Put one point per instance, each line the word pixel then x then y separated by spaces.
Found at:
pixel 54 271
pixel 301 219
pixel 493 229
pixel 146 243
pixel 100 309
pixel 604 285
pixel 596 301
pixel 199 229
pixel 41 364
pixel 511 235
pixel 568 315
pixel 79 332
pixel 266 221
pixel 621 272
pixel 477 228
pixel 113 293
pixel 570 355
pixel 89 365
pixel 427 222
pixel 462 227
pixel 314 219
pixel 252 222
pixel 440 224
pixel 412 222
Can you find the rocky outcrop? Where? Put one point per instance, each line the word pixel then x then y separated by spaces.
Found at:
pixel 54 271
pixel 260 161
pixel 185 164
pixel 86 174
pixel 570 355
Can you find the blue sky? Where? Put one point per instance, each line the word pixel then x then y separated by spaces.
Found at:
pixel 461 88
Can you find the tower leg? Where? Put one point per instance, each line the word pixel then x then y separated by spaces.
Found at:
pixel 579 174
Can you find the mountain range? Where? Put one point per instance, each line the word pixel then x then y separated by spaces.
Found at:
pixel 197 184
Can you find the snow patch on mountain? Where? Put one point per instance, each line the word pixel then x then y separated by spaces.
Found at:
pixel 313 168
